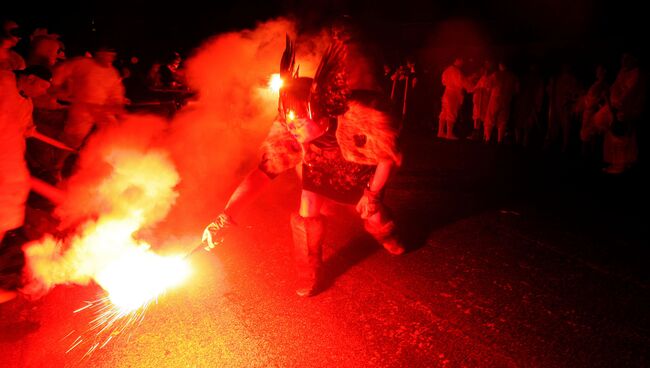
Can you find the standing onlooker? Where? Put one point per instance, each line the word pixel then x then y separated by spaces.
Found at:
pixel 503 86
pixel 456 84
pixel 9 38
pixel 627 99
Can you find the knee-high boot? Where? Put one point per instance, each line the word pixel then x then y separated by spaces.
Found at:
pixel 308 242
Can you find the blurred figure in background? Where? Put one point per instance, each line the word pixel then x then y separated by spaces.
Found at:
pixel 627 98
pixel 563 93
pixel 93 89
pixel 481 98
pixel 45 48
pixel 16 91
pixel 456 84
pixel 528 105
pixel 591 133
pixel 503 86
pixel 9 38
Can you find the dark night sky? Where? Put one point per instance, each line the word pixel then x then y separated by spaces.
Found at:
pixel 151 27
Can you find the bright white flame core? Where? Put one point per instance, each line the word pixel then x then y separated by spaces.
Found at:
pixel 275 82
pixel 140 276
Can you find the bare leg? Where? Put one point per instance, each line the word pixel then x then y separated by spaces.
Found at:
pixel 441 128
pixel 487 133
pixel 501 131
pixel 450 129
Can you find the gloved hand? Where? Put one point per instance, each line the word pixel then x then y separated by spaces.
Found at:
pixel 214 233
pixel 369 204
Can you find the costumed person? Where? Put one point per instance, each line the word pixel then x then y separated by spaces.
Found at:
pixel 45 48
pixel 9 38
pixel 93 89
pixel 410 103
pixel 480 98
pixel 563 92
pixel 16 91
pixel 627 102
pixel 345 150
pixel 170 74
pixel 528 105
pixel 387 79
pixel 503 86
pixel 591 130
pixel 456 84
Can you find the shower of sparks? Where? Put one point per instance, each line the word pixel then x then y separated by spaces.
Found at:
pixel 132 284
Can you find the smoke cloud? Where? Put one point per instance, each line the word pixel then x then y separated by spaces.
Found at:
pixel 153 179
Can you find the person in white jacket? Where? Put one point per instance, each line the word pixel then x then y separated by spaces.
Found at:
pixel 16 92
pixel 480 99
pixel 456 84
pixel 93 88
pixel 503 86
pixel 9 38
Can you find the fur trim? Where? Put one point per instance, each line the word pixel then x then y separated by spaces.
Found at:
pixel 280 151
pixel 367 136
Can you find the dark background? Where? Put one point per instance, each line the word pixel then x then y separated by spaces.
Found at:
pixel 401 27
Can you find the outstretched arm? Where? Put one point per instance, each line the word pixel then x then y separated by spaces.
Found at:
pixel 246 192
pixel 279 156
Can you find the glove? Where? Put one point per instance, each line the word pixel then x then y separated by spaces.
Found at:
pixel 369 204
pixel 214 233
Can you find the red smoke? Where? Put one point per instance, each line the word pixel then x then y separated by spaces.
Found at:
pixel 197 158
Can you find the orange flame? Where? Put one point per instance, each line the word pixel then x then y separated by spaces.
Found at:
pixel 135 190
pixel 138 191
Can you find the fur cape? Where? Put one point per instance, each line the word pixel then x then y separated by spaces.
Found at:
pixel 366 136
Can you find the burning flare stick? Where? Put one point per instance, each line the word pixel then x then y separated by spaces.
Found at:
pixel 51 141
pixel 52 193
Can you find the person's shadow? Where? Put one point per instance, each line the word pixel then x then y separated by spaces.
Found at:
pixel 344 258
pixel 17 330
pixel 427 195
